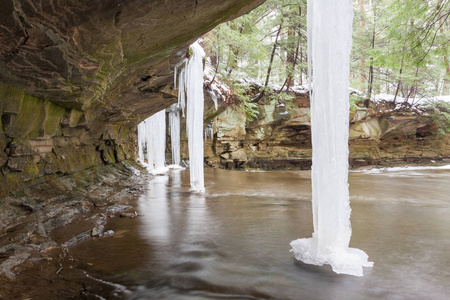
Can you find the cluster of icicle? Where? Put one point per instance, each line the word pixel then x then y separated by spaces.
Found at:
pixel 151 132
pixel 152 143
pixel 329 45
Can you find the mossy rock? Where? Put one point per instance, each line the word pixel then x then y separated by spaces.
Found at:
pixel 53 117
pixel 15 182
pixel 29 121
pixel 10 99
pixel 75 117
pixel 108 155
pixel 4 187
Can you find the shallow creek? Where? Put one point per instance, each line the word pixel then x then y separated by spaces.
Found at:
pixel 233 241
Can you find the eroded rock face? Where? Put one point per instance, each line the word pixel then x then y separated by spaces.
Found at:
pixel 77 76
pixel 280 138
pixel 112 55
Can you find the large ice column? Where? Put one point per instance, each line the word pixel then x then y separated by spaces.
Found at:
pixel 330 39
pixel 194 115
pixel 152 143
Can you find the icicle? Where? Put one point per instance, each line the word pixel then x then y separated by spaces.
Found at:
pixel 152 143
pixel 175 72
pixel 309 23
pixel 209 131
pixel 174 125
pixel 191 89
pixel 181 86
pixel 182 92
pixel 142 141
pixel 194 116
pixel 329 45
pixel 159 142
pixel 214 99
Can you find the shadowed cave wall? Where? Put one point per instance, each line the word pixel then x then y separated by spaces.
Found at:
pixel 77 76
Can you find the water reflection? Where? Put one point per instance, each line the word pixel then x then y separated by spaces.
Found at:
pixel 156 226
pixel 233 241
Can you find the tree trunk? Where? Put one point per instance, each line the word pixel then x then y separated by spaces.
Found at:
pixel 290 56
pixel 362 62
pixel 447 65
pixel 399 83
pixel 370 82
pixel 269 70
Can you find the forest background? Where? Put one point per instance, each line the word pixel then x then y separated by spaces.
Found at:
pixel 400 53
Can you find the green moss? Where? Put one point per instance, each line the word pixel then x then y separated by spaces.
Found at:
pixel 53 117
pixel 75 117
pixel 108 155
pixel 210 117
pixel 28 123
pixel 124 132
pixel 31 169
pixel 91 158
pixel 10 98
pixel 4 187
pixel 14 182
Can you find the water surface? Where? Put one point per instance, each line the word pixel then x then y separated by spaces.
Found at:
pixel 233 241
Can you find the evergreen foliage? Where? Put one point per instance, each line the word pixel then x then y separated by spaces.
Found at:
pixel 399 48
pixel 440 112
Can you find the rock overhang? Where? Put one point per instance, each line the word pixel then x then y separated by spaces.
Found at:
pixel 77 76
pixel 113 59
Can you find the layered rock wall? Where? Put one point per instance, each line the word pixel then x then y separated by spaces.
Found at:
pixel 40 140
pixel 281 138
pixel 77 76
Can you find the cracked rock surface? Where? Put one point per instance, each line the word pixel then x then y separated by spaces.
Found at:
pixel 77 76
pixel 110 57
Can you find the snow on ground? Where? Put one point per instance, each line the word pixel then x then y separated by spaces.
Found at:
pixel 220 89
pixel 413 101
pixel 400 169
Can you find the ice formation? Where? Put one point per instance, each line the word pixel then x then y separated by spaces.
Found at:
pixel 190 88
pixel 181 84
pixel 152 143
pixel 209 131
pixel 174 126
pixel 329 45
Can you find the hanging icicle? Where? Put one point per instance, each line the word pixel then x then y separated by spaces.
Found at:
pixel 152 143
pixel 190 89
pixel 174 126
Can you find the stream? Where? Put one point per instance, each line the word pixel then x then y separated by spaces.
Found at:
pixel 232 242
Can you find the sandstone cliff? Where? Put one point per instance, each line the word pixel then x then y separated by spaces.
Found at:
pixel 280 138
pixel 76 77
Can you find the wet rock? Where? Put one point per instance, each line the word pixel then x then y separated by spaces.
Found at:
pixel 84 208
pixel 129 215
pixel 78 239
pixel 47 246
pixel 117 208
pixel 108 233
pixel 98 231
pixel 17 164
pixel 27 220
pixel 98 195
pixel 20 255
pixel 121 197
